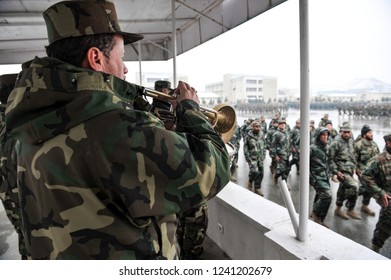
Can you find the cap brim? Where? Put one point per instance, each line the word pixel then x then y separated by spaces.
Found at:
pixel 131 37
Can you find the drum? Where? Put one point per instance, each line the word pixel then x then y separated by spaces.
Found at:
pixel 231 152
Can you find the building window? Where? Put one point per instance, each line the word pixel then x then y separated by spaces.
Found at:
pixel 251 89
pixel 252 82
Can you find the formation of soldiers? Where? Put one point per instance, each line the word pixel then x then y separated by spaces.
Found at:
pixel 261 108
pixel 334 155
pixel 366 111
pixel 351 109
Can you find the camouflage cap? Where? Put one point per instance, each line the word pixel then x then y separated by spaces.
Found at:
pixel 346 127
pixel 7 83
pixel 281 121
pixel 160 84
pixel 255 123
pixel 84 17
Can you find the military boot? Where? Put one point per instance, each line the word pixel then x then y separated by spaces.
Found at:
pixel 338 212
pixel 250 185
pixel 317 219
pixel 354 215
pixel 375 248
pixel 258 191
pixel 367 210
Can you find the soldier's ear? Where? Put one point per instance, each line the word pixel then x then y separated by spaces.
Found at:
pixel 93 59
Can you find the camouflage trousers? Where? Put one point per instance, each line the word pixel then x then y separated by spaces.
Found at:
pixel 282 168
pixel 347 190
pixel 191 231
pixel 322 198
pixel 255 173
pixel 383 227
pixel 295 161
pixel 366 195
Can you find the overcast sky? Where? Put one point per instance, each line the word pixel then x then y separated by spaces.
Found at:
pixel 348 39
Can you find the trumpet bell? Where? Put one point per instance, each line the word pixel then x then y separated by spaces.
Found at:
pixel 226 121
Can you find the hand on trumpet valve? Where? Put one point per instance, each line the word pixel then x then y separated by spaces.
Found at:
pixel 184 91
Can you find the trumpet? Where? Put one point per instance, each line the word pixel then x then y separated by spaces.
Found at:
pixel 222 117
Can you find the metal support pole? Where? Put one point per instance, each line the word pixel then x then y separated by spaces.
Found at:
pixel 174 48
pixel 139 62
pixel 289 204
pixel 305 121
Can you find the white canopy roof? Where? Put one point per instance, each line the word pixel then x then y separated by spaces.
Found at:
pixel 23 31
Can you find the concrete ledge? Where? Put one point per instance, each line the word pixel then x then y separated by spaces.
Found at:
pixel 247 226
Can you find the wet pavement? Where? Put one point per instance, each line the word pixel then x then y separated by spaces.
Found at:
pixel 360 231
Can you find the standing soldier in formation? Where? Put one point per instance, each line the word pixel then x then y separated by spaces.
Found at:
pixel 280 150
pixel 9 194
pixel 254 152
pixel 323 121
pixel 295 139
pixel 333 131
pixel 235 141
pixel 377 180
pixel 287 127
pixel 246 127
pixel 343 166
pixel 276 117
pixel 268 140
pixel 312 131
pixel 320 175
pixel 365 149
pixel 263 125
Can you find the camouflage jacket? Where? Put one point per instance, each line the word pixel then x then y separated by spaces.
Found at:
pixel 364 151
pixel 263 126
pixel 254 147
pixel 99 179
pixel 319 163
pixel 295 139
pixel 269 136
pixel 236 137
pixel 341 154
pixel 376 176
pixel 8 188
pixel 280 144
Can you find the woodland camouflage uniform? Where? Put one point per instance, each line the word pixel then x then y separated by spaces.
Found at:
pixel 235 141
pixel 365 150
pixel 98 177
pixel 191 232
pixel 342 159
pixel 268 139
pixel 295 140
pixel 376 178
pixel 8 187
pixel 281 146
pixel 320 176
pixel 254 153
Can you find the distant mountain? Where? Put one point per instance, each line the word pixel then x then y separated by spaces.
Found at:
pixel 357 86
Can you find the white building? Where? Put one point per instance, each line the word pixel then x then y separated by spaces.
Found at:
pixel 245 88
